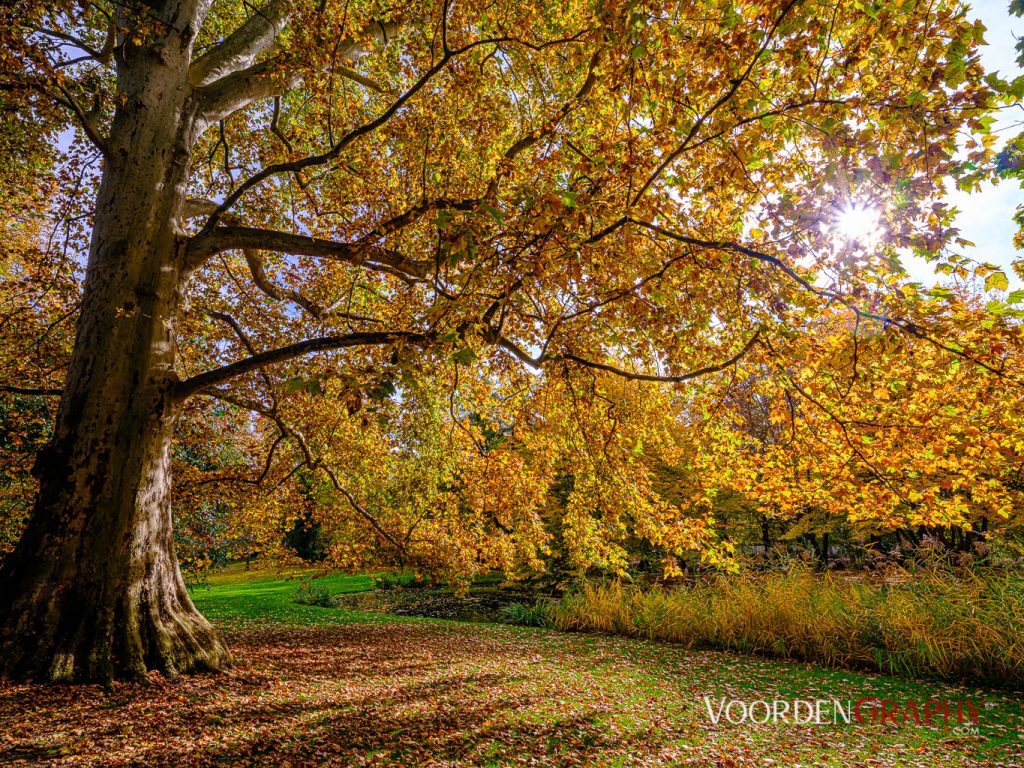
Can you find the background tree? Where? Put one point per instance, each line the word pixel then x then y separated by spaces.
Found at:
pixel 879 435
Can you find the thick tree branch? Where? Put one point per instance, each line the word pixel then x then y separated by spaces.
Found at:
pixel 197 207
pixel 256 362
pixel 276 76
pixel 239 50
pixel 248 238
pixel 31 391
pixel 247 86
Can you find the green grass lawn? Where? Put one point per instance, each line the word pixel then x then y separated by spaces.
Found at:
pixel 319 686
pixel 628 687
pixel 237 597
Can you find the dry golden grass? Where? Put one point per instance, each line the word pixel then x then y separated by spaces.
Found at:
pixel 922 624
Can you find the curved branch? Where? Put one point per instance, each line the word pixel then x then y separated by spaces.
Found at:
pixel 668 379
pixel 244 338
pixel 255 362
pixel 540 360
pixel 910 328
pixel 369 127
pixel 722 100
pixel 313 462
pixel 228 320
pixel 103 54
pixel 265 284
pixel 229 238
pixel 86 119
pixel 400 548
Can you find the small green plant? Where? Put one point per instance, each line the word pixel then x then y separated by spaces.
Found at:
pixel 387 581
pixel 418 581
pixel 536 615
pixel 311 593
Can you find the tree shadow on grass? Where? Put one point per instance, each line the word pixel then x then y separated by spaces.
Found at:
pixel 401 694
pixel 378 732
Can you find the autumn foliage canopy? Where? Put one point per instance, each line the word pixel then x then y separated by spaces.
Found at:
pixel 483 285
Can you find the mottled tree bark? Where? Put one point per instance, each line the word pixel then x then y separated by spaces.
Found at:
pixel 93 590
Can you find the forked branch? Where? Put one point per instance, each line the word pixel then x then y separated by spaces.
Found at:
pixel 239 50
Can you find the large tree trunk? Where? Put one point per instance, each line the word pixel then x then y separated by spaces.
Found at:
pixel 93 590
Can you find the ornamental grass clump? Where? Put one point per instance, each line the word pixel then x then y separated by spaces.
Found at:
pixel 926 623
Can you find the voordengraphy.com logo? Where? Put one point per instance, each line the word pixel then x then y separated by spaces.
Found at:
pixel 869 710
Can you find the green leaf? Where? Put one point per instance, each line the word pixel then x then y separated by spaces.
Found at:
pixel 568 198
pixel 383 391
pixel 464 356
pixel 449 336
pixel 997 281
pixel 495 213
pixel 1016 88
pixel 731 18
pixel 979 32
pixel 1015 297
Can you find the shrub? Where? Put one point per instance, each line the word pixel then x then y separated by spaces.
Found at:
pixel 311 593
pixel 418 581
pixel 386 581
pixel 536 615
pixel 925 624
